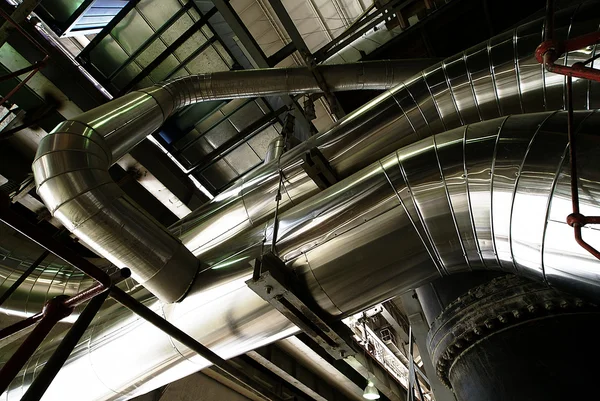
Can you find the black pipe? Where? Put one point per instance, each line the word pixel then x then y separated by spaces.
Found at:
pixel 519 340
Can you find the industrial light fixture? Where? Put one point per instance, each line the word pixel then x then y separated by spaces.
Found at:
pixel 371 392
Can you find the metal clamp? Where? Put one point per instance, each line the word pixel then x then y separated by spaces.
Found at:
pixel 272 283
pixel 318 169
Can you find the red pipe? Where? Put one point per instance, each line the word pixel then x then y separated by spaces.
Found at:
pixel 53 312
pixel 547 53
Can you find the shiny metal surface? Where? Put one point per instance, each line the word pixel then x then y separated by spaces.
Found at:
pixel 495 78
pixel 275 149
pixel 379 232
pixel 71 164
pixel 51 278
pixel 361 237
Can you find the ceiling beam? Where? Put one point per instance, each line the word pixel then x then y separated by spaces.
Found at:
pixel 257 57
pixel 300 44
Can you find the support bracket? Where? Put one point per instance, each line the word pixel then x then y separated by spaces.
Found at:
pixel 318 169
pixel 273 283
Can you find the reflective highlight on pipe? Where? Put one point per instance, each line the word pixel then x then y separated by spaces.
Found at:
pixel 495 78
pixel 71 164
pixel 498 191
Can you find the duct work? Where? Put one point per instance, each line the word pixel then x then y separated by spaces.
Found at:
pixel 496 78
pixel 339 242
pixel 458 201
pixel 71 165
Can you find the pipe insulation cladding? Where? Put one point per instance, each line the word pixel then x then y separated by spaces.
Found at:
pixel 497 77
pixel 487 196
pixel 72 162
pixel 447 203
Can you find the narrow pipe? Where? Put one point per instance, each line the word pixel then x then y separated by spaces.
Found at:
pixel 549 25
pixel 22 277
pixel 275 149
pixel 52 314
pixel 21 325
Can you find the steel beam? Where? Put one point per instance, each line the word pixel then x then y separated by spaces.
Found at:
pixel 255 55
pixel 361 368
pixel 295 374
pixel 307 56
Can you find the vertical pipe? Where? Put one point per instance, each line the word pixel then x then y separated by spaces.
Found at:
pixel 572 146
pixel 410 393
pixel 549 25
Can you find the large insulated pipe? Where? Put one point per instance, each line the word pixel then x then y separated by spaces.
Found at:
pixel 488 196
pixel 79 191
pixel 495 78
pixel 395 118
pixel 71 165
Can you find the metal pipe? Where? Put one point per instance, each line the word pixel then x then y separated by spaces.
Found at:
pixel 62 352
pixel 275 149
pixel 226 367
pixel 490 195
pixel 54 311
pixel 495 78
pixel 35 234
pixel 52 277
pixel 6 294
pixel 15 74
pixel 52 314
pixel 19 85
pixel 397 204
pixel 71 165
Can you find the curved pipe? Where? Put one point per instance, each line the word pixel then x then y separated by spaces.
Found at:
pixel 492 195
pixel 396 117
pixel 495 78
pixel 241 321
pixel 71 164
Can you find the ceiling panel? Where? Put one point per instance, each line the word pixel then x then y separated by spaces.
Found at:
pixel 242 159
pixel 136 50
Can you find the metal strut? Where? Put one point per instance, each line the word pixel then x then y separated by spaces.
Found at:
pixel 273 283
pixel 318 169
